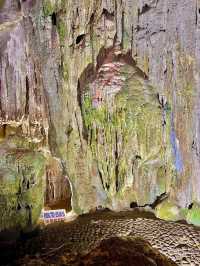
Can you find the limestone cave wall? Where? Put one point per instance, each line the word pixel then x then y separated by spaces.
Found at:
pixel 109 89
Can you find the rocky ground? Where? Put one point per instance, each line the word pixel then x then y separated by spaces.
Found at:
pixel 117 251
pixel 55 244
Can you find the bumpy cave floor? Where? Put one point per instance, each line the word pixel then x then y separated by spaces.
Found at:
pixel 55 243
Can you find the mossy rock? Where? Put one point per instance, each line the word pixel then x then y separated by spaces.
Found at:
pixel 21 189
pixel 62 30
pixel 129 124
pixel 184 212
pixel 168 211
pixel 193 215
pixel 49 7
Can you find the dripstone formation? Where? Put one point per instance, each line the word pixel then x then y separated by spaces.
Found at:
pixel 103 94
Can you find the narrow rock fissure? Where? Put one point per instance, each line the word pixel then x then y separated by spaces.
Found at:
pixel 54 19
pixel 161 198
pixel 145 9
pixel 27 97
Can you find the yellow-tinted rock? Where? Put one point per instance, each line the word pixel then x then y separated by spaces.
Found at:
pixel 168 211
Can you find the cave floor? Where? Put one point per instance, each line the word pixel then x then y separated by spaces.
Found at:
pixel 54 244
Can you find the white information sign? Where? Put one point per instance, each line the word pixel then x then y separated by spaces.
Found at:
pixel 51 216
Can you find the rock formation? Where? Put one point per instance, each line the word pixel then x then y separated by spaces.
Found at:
pixel 110 90
pixel 117 251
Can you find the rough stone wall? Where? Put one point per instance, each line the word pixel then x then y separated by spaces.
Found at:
pixel 163 40
pixel 23 112
pixel 52 50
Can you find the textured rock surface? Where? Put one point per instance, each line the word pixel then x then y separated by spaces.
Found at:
pixel 176 241
pixel 52 56
pixel 25 45
pixel 21 188
pixel 117 251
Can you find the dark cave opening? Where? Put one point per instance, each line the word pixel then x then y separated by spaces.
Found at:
pixel 190 206
pixel 133 205
pixel 80 38
pixel 54 19
pixel 58 192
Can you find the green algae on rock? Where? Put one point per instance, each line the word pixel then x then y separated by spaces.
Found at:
pixel 52 50
pixel 168 211
pixel 193 215
pixel 22 188
pixel 124 141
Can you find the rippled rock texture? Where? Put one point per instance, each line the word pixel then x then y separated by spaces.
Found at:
pixel 116 251
pixel 178 242
pixel 110 90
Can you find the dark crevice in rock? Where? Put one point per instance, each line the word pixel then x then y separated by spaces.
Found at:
pixel 145 9
pixel 132 37
pixel 76 12
pixel 190 206
pixel 29 211
pixel 156 32
pixel 116 163
pixel 27 97
pixel 162 100
pixel 108 15
pixel 23 180
pixel 153 205
pixel 19 207
pixel 138 157
pixel 139 28
pixel 107 186
pixel 3 130
pixel 101 178
pixel 35 75
pixel 79 93
pixel 197 13
pixel 28 185
pixel 159 199
pixel 195 148
pixel 133 205
pixel 79 131
pixel 19 4
pixel 54 19
pixel 123 30
pixel 69 130
pixel 80 38
pixel 91 21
